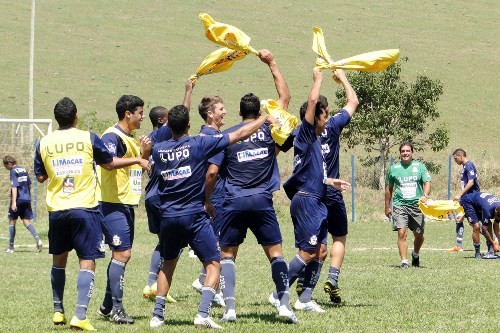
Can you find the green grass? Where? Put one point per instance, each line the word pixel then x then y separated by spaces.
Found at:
pixel 451 292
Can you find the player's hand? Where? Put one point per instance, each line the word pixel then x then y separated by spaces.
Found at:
pixel 423 199
pixel 317 75
pixel 144 164
pixel 388 212
pixel 210 209
pixel 145 142
pixel 190 85
pixel 339 184
pixel 457 197
pixel 266 56
pixel 273 121
pixel 14 207
pixel 496 247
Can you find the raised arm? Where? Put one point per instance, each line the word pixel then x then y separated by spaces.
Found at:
pixel 312 100
pixel 352 98
pixel 245 131
pixel 279 81
pixel 187 95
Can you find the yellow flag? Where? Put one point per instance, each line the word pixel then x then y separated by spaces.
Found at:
pixel 226 35
pixel 375 61
pixel 287 122
pixel 218 61
pixel 441 210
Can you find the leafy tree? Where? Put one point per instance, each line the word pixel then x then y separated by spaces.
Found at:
pixel 392 111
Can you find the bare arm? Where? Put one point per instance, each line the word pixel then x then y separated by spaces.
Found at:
pixel 352 98
pixel 245 131
pixel 42 178
pixel 128 161
pixel 210 181
pixel 312 100
pixel 388 197
pixel 466 188
pixel 279 81
pixel 427 191
pixel 14 199
pixel 187 95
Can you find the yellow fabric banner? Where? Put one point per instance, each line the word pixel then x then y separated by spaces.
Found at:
pixel 375 61
pixel 287 121
pixel 441 210
pixel 218 61
pixel 226 35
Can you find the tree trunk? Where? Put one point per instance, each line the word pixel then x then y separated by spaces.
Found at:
pixel 382 160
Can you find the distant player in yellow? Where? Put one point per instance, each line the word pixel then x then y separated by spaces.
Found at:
pixel 66 158
pixel 120 191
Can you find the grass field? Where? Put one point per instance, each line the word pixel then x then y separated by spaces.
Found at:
pixel 95 51
pixel 452 292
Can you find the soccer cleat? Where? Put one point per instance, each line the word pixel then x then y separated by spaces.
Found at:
pixel 39 245
pixel 478 255
pixel 147 293
pixel 274 302
pixel 228 316
pixel 170 299
pixel 219 300
pixel 103 312
pixel 309 306
pixel 415 261
pixel 197 285
pixel 489 255
pixel 156 322
pixel 456 249
pixel 58 318
pixel 333 290
pixel 120 317
pixel 404 265
pixel 287 314
pixel 200 322
pixel 81 325
pixel 9 250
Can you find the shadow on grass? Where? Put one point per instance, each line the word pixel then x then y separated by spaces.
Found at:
pixel 330 305
pixel 271 317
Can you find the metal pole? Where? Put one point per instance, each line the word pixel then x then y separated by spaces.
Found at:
pixel 352 189
pixel 35 193
pixel 449 175
pixel 32 61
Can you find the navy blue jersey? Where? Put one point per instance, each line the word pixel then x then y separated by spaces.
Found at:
pixel 152 185
pixel 469 172
pixel 163 133
pixel 309 167
pixel 249 165
pixel 20 179
pixel 218 191
pixel 114 143
pixel 180 164
pixel 481 202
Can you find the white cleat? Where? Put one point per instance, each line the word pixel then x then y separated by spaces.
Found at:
pixel 200 322
pixel 156 322
pixel 39 245
pixel 287 314
pixel 228 316
pixel 9 251
pixel 219 300
pixel 308 306
pixel 274 302
pixel 197 285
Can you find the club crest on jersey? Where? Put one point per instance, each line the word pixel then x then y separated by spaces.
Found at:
pixel 111 147
pixel 69 185
pixel 252 154
pixel 313 240
pixel 182 172
pixel 414 169
pixel 116 241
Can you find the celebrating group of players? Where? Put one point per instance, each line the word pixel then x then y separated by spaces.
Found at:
pixel 204 191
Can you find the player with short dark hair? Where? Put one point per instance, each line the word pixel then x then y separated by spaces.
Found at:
pixel 120 191
pixel 180 165
pixel 66 157
pixel 20 202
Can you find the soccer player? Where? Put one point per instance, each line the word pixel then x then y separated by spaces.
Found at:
pixel 306 188
pixel 180 164
pixel 159 117
pixel 249 171
pixel 66 157
pixel 120 191
pixel 480 208
pixel 410 182
pixel 20 202
pixel 212 111
pixel 469 184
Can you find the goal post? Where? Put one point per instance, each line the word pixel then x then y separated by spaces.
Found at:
pixel 18 138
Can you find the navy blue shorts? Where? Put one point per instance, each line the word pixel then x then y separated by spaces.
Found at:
pixel 217 220
pixel 471 214
pixel 24 211
pixel 78 229
pixel 309 221
pixel 193 229
pixel 337 215
pixel 153 211
pixel 118 225
pixel 254 212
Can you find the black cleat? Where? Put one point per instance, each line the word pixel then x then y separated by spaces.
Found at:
pixel 415 261
pixel 404 266
pixel 120 317
pixel 333 290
